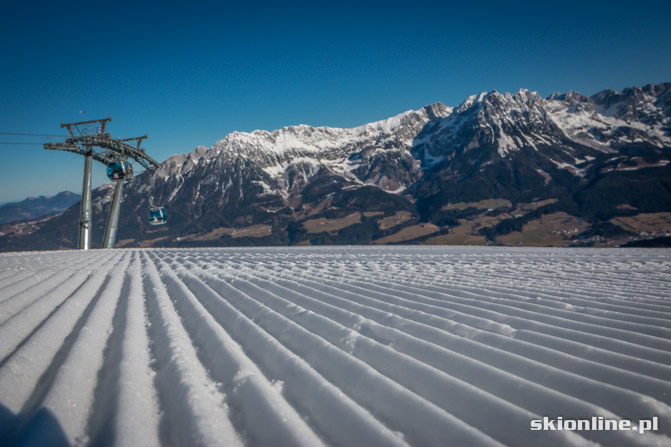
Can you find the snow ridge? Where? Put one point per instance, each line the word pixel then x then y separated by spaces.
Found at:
pixel 401 345
pixel 301 147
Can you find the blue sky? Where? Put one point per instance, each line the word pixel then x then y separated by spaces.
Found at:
pixel 188 74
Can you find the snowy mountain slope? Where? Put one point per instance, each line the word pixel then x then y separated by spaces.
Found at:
pixel 508 122
pixel 592 161
pixel 511 121
pixel 280 154
pixel 637 115
pixel 425 176
pixel 385 346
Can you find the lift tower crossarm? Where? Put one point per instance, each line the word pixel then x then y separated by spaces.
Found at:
pixel 118 147
pixel 103 123
pixel 138 139
pixel 126 150
pixel 75 150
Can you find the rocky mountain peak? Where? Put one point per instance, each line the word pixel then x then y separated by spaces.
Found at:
pixel 437 110
pixel 648 104
pixel 502 122
pixel 610 118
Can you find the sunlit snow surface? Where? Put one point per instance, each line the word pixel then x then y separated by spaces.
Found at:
pixel 351 346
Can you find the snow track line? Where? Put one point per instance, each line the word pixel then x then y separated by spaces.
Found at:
pixel 553 378
pixel 194 409
pixel 558 304
pixel 38 358
pixel 620 330
pixel 553 280
pixel 136 420
pixel 606 396
pixel 570 320
pixel 441 385
pixel 9 273
pixel 340 346
pixel 38 290
pixel 427 312
pixel 612 293
pixel 14 283
pixel 72 388
pixel 601 308
pixel 125 411
pixel 493 273
pixel 447 336
pixel 604 281
pixel 17 329
pixel 491 276
pixel 425 423
pixel 339 337
pixel 264 415
pixel 555 302
pixel 598 336
pixel 36 285
pixel 327 406
pixel 439 317
pixel 520 324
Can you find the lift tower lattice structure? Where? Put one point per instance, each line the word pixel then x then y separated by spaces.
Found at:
pixel 90 139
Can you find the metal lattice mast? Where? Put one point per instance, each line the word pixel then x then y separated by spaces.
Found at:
pixel 109 238
pixel 113 219
pixel 85 204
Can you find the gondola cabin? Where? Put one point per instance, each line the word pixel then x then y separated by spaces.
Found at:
pixel 158 216
pixel 119 171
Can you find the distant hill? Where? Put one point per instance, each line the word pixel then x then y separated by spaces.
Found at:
pixel 34 207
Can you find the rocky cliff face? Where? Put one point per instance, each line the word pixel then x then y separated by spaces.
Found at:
pixel 497 169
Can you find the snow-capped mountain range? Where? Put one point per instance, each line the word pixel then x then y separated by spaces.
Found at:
pixel 422 139
pixel 487 171
pixel 291 156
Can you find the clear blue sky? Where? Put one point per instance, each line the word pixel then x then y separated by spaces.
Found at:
pixel 188 74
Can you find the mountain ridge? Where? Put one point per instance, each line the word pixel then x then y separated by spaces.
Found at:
pixel 499 168
pixel 33 207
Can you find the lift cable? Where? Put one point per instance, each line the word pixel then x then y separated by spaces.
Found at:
pixel 33 134
pixel 24 143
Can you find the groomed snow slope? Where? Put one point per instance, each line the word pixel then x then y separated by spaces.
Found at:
pixel 340 346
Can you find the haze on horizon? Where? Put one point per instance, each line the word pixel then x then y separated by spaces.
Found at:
pixel 188 75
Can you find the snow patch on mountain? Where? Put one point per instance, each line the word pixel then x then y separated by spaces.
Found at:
pixel 600 124
pixel 636 115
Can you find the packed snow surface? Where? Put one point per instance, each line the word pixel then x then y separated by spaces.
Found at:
pixel 347 346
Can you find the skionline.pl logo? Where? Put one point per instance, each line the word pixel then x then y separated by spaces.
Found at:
pixel 594 424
